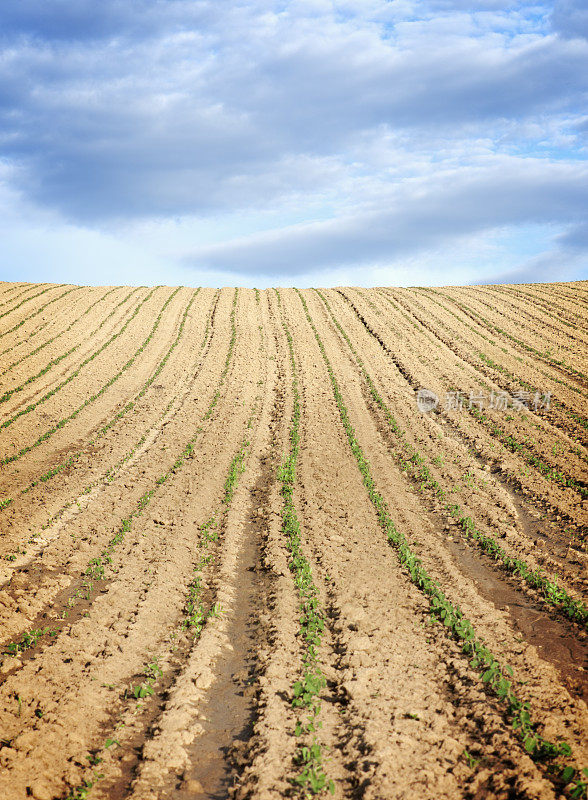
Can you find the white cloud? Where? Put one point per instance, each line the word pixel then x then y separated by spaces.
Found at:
pixel 421 215
pixel 274 135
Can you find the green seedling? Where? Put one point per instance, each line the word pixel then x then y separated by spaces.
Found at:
pixel 28 640
pixel 109 742
pixel 82 792
pixel 470 760
pixel 142 690
pixel 153 670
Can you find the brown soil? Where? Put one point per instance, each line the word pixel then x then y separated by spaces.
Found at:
pixel 106 540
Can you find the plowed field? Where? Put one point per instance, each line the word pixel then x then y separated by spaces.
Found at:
pixel 243 554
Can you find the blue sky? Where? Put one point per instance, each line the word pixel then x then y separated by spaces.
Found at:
pixel 307 142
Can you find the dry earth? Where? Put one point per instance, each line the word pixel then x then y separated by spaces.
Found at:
pixel 236 559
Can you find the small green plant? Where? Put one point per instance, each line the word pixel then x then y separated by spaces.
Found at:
pixel 470 760
pixel 82 792
pixel 109 742
pixel 28 640
pixel 142 690
pixel 153 670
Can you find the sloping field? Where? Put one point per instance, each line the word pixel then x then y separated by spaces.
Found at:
pixel 243 554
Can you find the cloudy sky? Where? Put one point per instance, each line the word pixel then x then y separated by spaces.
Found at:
pixel 294 142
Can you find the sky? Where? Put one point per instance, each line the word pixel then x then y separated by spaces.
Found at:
pixel 304 142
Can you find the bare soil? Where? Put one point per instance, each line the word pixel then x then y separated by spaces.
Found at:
pixel 152 610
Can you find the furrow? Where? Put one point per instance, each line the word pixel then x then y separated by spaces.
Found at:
pixel 53 339
pixel 496 676
pixel 40 309
pixel 92 398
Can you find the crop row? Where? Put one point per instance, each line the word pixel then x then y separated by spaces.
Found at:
pixel 8 394
pixel 37 312
pixel 13 289
pixel 530 318
pixel 86 361
pixel 6 501
pixel 491 364
pixel 545 356
pixel 513 445
pixel 496 676
pixel 112 471
pixel 26 300
pixel 106 477
pixel 550 292
pixel 523 450
pixel 41 326
pixel 16 294
pixel 128 407
pixel 539 303
pixel 526 321
pixel 534 367
pixel 57 336
pixel 530 387
pixel 100 392
pixel 195 615
pixel 306 690
pixel 536 305
pixel 556 596
pixel 485 359
pixel 97 566
pixel 576 299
